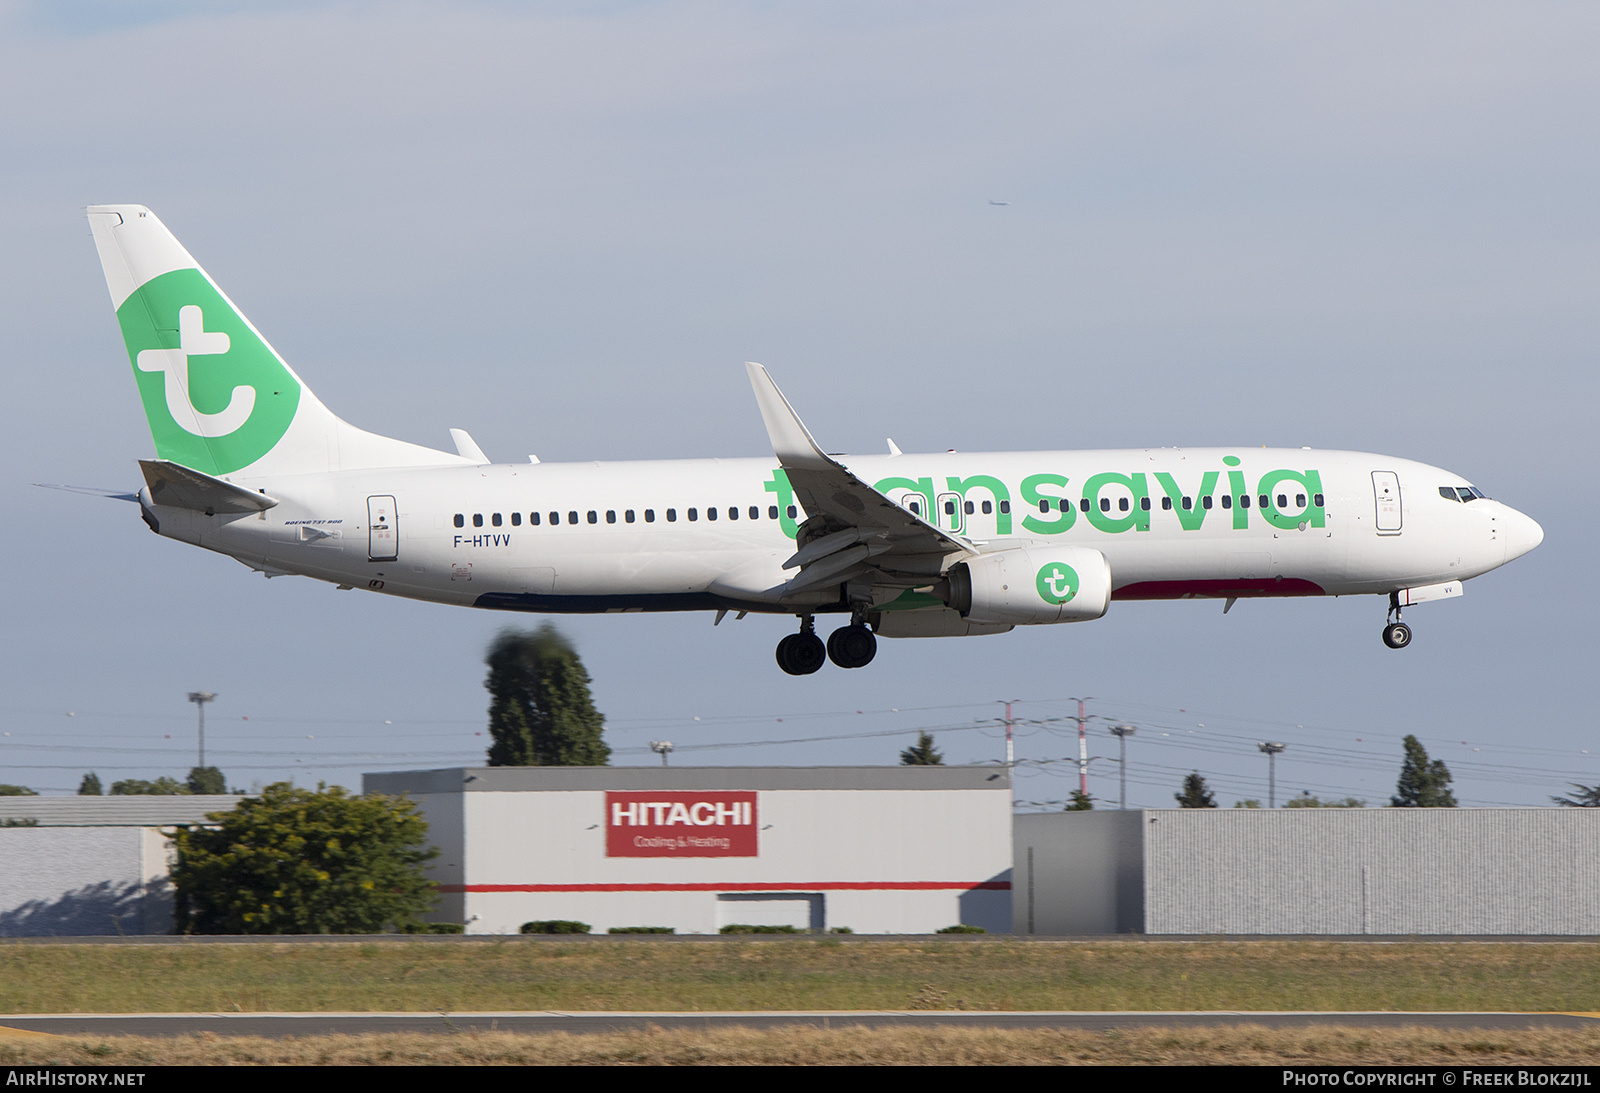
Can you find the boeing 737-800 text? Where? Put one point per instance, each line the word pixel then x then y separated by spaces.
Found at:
pixel 251 464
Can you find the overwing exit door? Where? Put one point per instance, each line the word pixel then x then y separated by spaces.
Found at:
pixel 383 529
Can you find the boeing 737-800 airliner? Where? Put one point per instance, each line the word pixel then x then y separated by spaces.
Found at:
pixel 251 464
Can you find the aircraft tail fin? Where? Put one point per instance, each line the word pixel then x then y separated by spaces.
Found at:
pixel 218 398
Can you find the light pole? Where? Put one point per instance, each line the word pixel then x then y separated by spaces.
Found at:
pixel 1271 750
pixel 661 748
pixel 1122 732
pixel 200 698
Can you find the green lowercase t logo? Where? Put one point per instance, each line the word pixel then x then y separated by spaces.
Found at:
pixel 1057 583
pixel 217 398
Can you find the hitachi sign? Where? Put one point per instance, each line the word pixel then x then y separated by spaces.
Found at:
pixel 681 824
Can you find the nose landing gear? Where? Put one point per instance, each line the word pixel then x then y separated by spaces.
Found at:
pixel 1396 634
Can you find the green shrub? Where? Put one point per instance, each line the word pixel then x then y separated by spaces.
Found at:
pixel 555 926
pixel 743 928
pixel 641 930
pixel 962 928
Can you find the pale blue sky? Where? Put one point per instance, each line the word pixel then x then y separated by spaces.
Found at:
pixel 563 227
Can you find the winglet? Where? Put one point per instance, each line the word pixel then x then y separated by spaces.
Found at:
pixel 792 442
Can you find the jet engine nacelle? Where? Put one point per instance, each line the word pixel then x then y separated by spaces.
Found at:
pixel 1032 585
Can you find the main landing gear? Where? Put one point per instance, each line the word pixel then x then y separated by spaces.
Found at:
pixel 851 646
pixel 1396 634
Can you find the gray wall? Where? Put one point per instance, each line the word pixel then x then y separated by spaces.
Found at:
pixel 1077 873
pixel 1373 871
pixel 83 881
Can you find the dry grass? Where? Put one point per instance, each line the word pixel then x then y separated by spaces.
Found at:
pixel 820 1047
pixel 799 973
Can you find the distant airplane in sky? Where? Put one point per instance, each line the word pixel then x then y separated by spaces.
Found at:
pixel 999 202
pixel 251 464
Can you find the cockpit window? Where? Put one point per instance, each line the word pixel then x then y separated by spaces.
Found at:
pixel 1461 493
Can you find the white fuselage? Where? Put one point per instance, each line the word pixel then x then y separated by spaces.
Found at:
pixel 591 537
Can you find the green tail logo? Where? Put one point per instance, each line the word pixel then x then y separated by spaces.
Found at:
pixel 217 398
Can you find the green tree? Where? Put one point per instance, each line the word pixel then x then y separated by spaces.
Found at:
pixel 1423 784
pixel 206 780
pixel 1079 802
pixel 161 787
pixel 90 786
pixel 8 790
pixel 298 861
pixel 1305 800
pixel 922 753
pixel 1196 794
pixel 1248 802
pixel 540 712
pixel 1586 797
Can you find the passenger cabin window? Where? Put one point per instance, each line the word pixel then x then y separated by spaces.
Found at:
pixel 1316 499
pixel 533 519
pixel 611 516
pixel 1105 504
pixel 672 515
pixel 1166 504
pixel 733 512
pixel 967 508
pixel 1283 500
pixel 628 516
pixel 772 512
pixel 949 508
pixel 1244 500
pixel 461 521
pixel 555 518
pixel 1205 502
pixel 572 517
pixel 516 519
pixel 694 514
pixel 1265 500
pixel 594 517
pixel 1063 505
pixel 711 513
pixel 1300 500
pixel 649 516
pixel 1188 504
pixel 987 508
pixel 1227 500
pixel 793 512
pixel 916 509
pixel 1123 504
pixel 1044 506
pixel 1144 503
pixel 1083 503
pixel 495 519
pixel 755 512
pixel 1005 506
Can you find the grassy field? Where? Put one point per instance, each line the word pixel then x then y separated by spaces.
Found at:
pixel 799 973
pixel 820 1047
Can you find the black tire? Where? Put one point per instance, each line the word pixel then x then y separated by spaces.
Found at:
pixel 806 654
pixel 783 653
pixel 852 646
pixel 1397 635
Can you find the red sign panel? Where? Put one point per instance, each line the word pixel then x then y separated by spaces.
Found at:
pixel 711 824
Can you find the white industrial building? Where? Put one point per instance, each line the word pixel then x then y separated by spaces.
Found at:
pixel 91 866
pixel 874 849
pixel 1331 871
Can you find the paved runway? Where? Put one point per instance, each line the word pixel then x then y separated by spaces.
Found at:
pixel 320 1024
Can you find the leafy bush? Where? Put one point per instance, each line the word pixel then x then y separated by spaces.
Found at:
pixel 298 861
pixel 962 928
pixel 743 928
pixel 641 930
pixel 555 926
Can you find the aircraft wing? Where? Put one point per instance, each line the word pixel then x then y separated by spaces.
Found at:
pixel 851 530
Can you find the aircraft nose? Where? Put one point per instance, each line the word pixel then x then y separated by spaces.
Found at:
pixel 1522 534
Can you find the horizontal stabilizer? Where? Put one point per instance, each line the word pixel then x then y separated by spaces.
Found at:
pixel 114 495
pixel 181 487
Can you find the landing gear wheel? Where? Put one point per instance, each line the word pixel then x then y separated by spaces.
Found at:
pixel 852 646
pixel 801 654
pixel 1397 635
